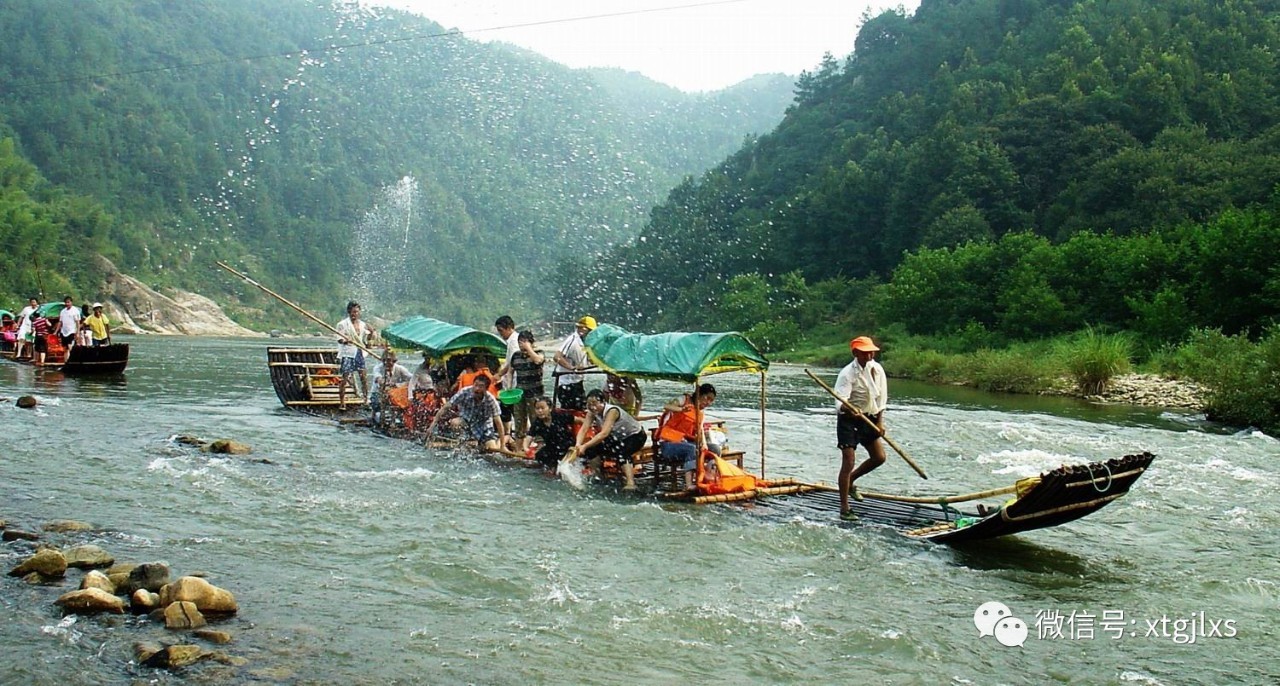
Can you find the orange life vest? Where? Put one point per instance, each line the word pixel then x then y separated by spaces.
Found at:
pixel 682 425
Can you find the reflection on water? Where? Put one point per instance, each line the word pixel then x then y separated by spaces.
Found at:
pixel 360 559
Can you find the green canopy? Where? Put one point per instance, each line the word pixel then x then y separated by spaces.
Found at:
pixel 441 340
pixel 3 312
pixel 50 310
pixel 673 356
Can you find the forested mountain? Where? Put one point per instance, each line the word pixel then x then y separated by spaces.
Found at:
pixel 1012 124
pixel 329 148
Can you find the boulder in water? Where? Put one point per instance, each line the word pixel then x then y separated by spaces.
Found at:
pixel 88 556
pixel 183 615
pixel 90 601
pixel 19 535
pixel 206 596
pixel 47 562
pixel 98 580
pixel 173 657
pixel 143 601
pixel 228 447
pixel 66 526
pixel 213 636
pixel 152 576
pixel 27 402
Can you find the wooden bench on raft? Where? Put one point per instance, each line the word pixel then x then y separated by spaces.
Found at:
pixel 324 388
pixel 671 474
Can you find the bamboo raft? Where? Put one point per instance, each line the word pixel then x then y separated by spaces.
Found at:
pixel 83 359
pixel 302 378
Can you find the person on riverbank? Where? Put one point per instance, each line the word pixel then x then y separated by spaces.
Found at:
pixel 618 436
pixel 571 359
pixel 99 327
pixel 24 324
pixel 550 432
pixel 526 367
pixel 69 323
pixel 479 416
pixel 353 337
pixel 862 383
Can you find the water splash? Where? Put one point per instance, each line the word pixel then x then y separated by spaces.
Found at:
pixel 380 245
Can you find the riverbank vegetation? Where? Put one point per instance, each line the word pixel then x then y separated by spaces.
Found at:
pixel 1045 189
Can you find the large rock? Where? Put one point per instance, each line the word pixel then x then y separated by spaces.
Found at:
pixel 183 615
pixel 66 526
pixel 173 657
pixel 98 580
pixel 151 576
pixel 90 601
pixel 207 597
pixel 143 601
pixel 27 402
pixel 213 636
pixel 131 304
pixel 19 535
pixel 47 562
pixel 88 557
pixel 228 447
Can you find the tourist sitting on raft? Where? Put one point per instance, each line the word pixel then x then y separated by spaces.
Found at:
pixel 551 433
pixel 388 375
pixel 623 392
pixel 678 435
pixel 618 436
pixel 477 365
pixel 423 401
pixel 479 417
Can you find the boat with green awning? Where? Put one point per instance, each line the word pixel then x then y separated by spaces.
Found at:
pixel 673 356
pixel 442 340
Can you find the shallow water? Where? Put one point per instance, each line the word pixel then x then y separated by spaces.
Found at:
pixel 361 559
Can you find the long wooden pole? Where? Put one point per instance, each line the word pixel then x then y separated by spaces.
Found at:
pixel 301 311
pixel 762 399
pixel 870 423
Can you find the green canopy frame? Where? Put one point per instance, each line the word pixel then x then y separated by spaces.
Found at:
pixel 677 356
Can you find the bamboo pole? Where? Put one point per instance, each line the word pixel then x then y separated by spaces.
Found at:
pixel 762 415
pixel 870 423
pixel 303 312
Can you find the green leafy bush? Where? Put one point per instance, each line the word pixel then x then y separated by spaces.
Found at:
pixel 1243 377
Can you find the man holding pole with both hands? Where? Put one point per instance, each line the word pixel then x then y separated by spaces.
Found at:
pixel 861 384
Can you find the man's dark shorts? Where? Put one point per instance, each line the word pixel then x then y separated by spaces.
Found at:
pixel 352 364
pixel 67 340
pixel 852 432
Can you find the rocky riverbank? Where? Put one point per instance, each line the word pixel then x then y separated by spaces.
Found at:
pixel 134 307
pixel 1141 389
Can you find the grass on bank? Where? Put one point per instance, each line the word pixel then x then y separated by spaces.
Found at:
pixel 1242 376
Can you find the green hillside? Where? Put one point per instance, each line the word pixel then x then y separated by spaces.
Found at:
pixel 1040 165
pixel 330 150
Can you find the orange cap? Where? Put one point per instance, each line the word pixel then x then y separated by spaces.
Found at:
pixel 864 344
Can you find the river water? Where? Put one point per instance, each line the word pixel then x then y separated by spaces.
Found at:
pixel 360 559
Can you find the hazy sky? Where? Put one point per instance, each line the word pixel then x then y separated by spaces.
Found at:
pixel 693 45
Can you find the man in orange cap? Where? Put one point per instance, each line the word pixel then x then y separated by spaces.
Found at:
pixel 864 385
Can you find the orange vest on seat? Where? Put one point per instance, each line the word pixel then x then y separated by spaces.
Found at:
pixel 682 425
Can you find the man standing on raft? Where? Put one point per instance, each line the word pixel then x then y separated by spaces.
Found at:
pixel 864 385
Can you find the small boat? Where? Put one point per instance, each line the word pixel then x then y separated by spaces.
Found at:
pixel 82 359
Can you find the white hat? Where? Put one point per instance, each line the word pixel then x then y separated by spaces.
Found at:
pixel 95 306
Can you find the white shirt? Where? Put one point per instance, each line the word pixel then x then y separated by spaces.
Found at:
pixel 421 380
pixel 358 331
pixel 24 320
pixel 572 350
pixel 866 388
pixel 513 347
pixel 399 375
pixel 69 321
